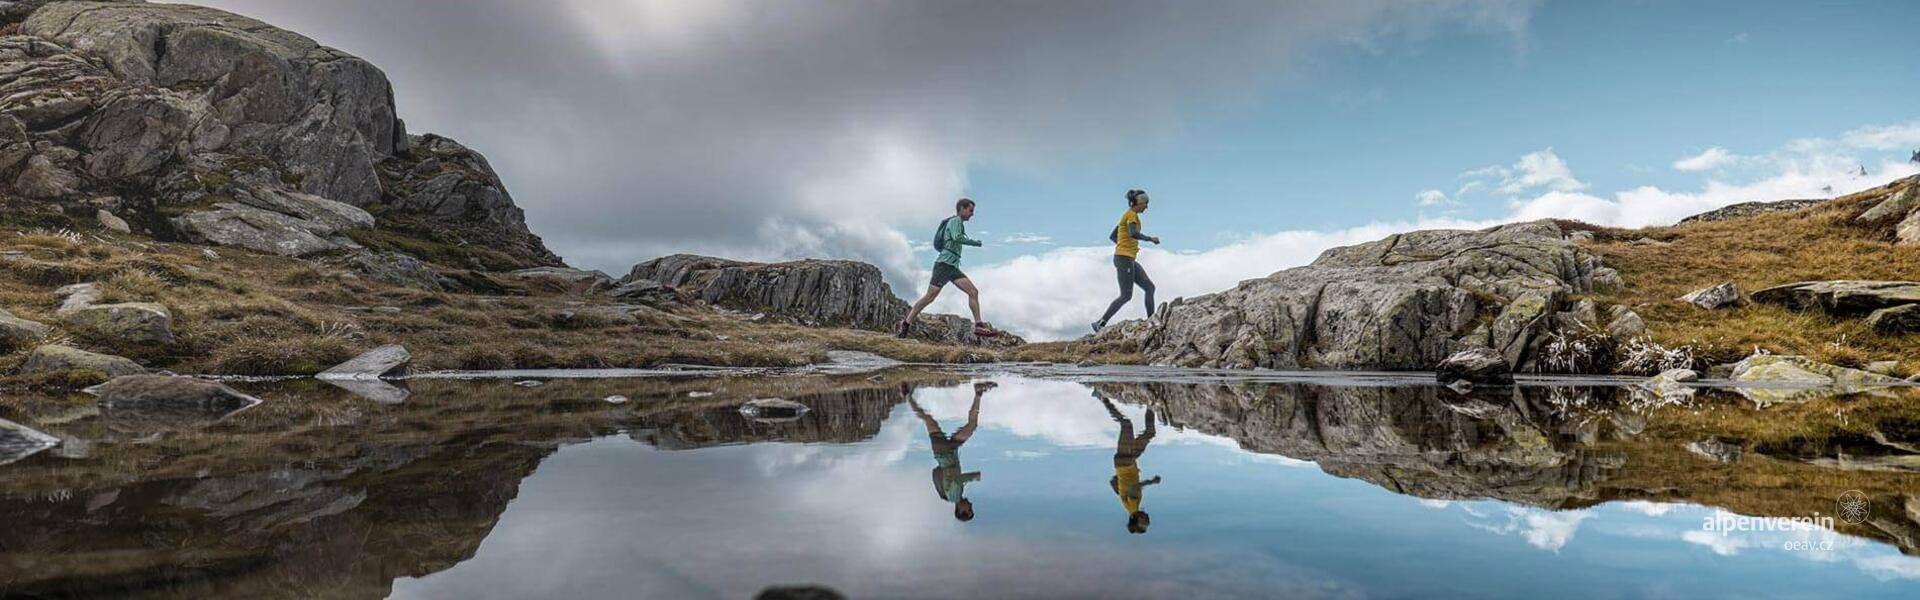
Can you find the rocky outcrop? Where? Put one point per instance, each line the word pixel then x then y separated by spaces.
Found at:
pixel 1847 298
pixel 55 359
pixel 816 292
pixel 218 128
pixel 399 269
pixel 1749 209
pixel 810 292
pixel 1405 302
pixel 1896 319
pixel 1725 295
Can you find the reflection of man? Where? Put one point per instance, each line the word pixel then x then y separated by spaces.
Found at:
pixel 949 480
pixel 1126 466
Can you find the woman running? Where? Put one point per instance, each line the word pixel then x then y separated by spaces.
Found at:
pixel 1126 248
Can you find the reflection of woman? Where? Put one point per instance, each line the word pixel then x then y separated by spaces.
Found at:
pixel 1126 466
pixel 949 480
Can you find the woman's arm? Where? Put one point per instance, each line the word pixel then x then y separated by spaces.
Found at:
pixel 1133 230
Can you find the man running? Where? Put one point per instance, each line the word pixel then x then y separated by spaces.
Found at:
pixel 1126 481
pixel 949 480
pixel 1126 247
pixel 949 240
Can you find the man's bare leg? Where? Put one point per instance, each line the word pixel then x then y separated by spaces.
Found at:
pixel 973 413
pixel 973 297
pixel 933 291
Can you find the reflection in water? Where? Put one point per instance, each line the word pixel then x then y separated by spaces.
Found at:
pixel 949 480
pixel 1126 481
pixel 469 489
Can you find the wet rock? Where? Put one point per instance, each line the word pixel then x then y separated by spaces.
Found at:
pixel 386 361
pixel 1719 450
pixel 18 442
pixel 1475 365
pixel 16 332
pixel 845 362
pixel 1894 320
pixel 132 322
pixel 379 391
pixel 53 359
pixel 1841 297
pixel 170 398
pixel 112 223
pixel 773 408
pixel 399 269
pixel 1405 302
pixel 1725 295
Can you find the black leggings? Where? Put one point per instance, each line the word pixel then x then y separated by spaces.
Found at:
pixel 1130 274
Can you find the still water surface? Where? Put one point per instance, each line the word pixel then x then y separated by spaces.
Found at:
pixel 1073 487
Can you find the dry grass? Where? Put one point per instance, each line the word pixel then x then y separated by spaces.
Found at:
pixel 1818 243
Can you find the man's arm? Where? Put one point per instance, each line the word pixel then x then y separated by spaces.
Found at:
pixel 959 234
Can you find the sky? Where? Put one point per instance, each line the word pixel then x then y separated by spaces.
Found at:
pixel 1266 132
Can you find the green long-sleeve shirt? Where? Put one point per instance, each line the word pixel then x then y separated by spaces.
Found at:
pixel 956 239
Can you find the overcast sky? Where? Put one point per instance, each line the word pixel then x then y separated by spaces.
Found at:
pixel 631 129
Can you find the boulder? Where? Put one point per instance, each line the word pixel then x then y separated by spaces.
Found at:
pixel 164 399
pixel 132 322
pixel 1841 297
pixel 385 361
pixel 260 230
pixel 77 296
pixel 1884 367
pixel 54 359
pixel 112 223
pixel 1725 295
pixel 399 269
pixel 1670 386
pixel 1624 324
pixel 18 442
pixel 1475 365
pixel 1904 318
pixel 1405 302
pixel 1895 207
pixel 956 330
pixel 16 332
pixel 1907 233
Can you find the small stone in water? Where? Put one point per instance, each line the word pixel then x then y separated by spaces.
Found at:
pixel 616 399
pixel 530 383
pixel 699 394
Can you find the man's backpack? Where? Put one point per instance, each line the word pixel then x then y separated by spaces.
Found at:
pixel 940 235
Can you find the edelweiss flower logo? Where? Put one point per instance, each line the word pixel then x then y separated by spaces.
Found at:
pixel 1854 508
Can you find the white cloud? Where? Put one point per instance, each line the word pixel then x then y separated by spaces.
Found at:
pixel 1713 158
pixel 1027 238
pixel 1432 198
pixel 1539 170
pixel 1900 136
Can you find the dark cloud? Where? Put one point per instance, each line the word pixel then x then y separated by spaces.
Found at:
pixel 634 128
